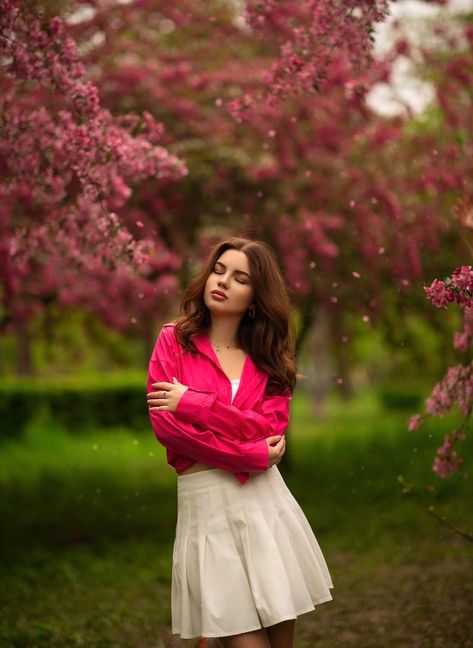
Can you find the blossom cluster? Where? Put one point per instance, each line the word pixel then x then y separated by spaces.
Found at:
pixel 458 288
pixel 447 460
pixel 45 55
pixel 456 387
pixel 318 39
pixel 67 163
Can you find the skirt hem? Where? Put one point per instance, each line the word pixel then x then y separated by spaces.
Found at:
pixel 258 627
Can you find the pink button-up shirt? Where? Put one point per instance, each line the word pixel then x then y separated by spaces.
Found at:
pixel 207 426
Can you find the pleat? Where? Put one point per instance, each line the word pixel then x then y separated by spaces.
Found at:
pixel 244 557
pixel 286 572
pixel 305 558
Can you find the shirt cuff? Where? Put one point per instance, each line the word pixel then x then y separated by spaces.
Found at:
pixel 260 454
pixel 193 403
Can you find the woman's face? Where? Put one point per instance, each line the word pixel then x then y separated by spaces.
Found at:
pixel 231 276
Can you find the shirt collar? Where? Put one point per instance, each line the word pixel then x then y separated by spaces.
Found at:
pixel 251 374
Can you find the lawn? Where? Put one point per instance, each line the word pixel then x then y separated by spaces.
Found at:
pixel 89 523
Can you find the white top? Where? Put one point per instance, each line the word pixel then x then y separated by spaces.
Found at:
pixel 235 385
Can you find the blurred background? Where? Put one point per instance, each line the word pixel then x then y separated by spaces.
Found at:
pixel 137 133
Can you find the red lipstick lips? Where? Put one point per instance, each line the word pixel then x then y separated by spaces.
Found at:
pixel 218 293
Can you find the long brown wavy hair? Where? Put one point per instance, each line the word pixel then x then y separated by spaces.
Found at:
pixel 269 337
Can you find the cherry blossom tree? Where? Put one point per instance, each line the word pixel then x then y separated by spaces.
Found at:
pixel 66 163
pixel 277 147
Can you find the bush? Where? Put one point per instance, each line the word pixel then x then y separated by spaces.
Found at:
pixel 76 405
pixel 18 405
pixel 401 396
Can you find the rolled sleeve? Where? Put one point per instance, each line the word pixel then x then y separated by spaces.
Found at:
pixel 193 403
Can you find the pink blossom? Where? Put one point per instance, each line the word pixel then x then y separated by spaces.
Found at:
pixel 438 294
pixel 414 422
pixel 447 460
pixel 456 388
pixel 457 288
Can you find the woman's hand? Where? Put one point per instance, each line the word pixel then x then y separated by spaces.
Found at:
pixel 168 396
pixel 276 451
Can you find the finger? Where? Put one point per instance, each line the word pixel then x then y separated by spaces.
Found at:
pixel 157 401
pixel 154 395
pixel 161 385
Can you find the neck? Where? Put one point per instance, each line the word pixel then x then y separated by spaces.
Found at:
pixel 223 330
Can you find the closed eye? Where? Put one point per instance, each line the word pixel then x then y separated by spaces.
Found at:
pixel 239 280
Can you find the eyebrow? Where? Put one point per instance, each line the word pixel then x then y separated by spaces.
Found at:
pixel 237 271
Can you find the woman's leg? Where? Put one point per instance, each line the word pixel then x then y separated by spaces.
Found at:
pixel 254 639
pixel 281 635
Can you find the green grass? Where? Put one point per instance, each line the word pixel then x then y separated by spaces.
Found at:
pixel 89 523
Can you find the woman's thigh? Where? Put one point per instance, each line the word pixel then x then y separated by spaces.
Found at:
pixel 281 635
pixel 254 639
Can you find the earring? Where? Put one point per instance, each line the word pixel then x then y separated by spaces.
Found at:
pixel 252 312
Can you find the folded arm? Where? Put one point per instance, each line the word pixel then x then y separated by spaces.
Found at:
pixel 204 408
pixel 194 440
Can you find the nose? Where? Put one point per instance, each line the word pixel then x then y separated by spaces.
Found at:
pixel 222 282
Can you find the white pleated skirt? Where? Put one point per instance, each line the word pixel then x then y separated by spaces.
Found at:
pixel 244 556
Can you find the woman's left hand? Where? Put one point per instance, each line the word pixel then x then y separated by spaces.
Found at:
pixel 168 396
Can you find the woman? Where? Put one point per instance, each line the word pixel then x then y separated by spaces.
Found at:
pixel 246 563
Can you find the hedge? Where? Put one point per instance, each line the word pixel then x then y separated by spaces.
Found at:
pixel 77 405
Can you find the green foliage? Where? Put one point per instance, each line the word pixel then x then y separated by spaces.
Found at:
pixel 77 404
pixel 18 407
pixel 411 343
pixel 401 395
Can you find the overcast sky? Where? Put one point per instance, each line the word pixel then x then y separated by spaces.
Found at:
pixel 415 18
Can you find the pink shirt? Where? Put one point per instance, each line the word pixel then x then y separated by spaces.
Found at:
pixel 207 425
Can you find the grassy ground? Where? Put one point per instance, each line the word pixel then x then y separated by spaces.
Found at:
pixel 89 524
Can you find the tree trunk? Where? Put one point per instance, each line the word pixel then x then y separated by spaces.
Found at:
pixel 24 364
pixel 286 464
pixel 342 361
pixel 319 344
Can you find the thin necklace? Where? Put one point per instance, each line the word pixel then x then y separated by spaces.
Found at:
pixel 219 347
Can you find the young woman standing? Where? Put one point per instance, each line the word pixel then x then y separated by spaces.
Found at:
pixel 246 562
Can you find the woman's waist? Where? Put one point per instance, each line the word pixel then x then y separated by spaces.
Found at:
pixel 196 467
